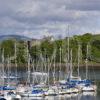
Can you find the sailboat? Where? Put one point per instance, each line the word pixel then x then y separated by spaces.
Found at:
pixel 71 87
pixel 67 85
pixel 10 91
pixel 88 86
pixel 60 80
pixel 41 76
pixel 64 82
pixel 31 91
pixel 25 88
pixel 52 89
pixel 61 88
pixel 77 79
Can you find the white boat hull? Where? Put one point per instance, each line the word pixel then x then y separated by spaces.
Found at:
pixel 62 91
pixel 50 92
pixel 89 88
pixel 10 97
pixel 32 95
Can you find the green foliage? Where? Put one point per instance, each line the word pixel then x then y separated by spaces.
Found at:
pixel 35 52
pixel 85 39
pixel 46 48
pixel 96 50
pixel 21 52
pixel 8 47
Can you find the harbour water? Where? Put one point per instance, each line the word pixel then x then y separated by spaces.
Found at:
pixel 67 97
pixel 92 74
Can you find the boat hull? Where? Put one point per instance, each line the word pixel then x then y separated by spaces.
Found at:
pixel 32 95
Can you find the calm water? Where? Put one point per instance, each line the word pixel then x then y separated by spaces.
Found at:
pixel 68 97
pixel 92 74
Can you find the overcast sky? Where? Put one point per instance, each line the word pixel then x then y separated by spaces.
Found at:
pixel 36 18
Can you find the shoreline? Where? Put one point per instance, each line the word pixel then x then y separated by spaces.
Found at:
pixel 63 66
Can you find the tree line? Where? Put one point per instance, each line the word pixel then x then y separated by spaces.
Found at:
pixel 47 48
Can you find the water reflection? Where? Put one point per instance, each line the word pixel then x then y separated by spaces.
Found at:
pixel 81 96
pixel 32 98
pixel 89 93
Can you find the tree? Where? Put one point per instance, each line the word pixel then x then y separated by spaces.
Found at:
pixel 47 48
pixel 8 46
pixel 85 39
pixel 21 52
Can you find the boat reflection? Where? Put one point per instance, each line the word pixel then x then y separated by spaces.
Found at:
pixel 89 93
pixel 77 96
pixel 32 98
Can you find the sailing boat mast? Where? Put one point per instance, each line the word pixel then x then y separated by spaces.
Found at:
pixel 41 63
pixel 68 58
pixel 16 62
pixel 54 67
pixel 48 65
pixel 71 70
pixel 87 62
pixel 28 55
pixel 79 59
pixel 68 45
pixel 33 72
pixel 8 65
pixel 3 66
pixel 60 65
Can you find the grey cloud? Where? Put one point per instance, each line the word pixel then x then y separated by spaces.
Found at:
pixel 23 16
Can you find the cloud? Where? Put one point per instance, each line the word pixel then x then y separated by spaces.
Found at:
pixel 36 16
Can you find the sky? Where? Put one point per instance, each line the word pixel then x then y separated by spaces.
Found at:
pixel 38 18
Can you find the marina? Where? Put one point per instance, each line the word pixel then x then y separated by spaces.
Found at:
pixel 41 80
pixel 40 94
pixel 45 84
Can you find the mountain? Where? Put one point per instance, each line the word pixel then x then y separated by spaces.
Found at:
pixel 17 37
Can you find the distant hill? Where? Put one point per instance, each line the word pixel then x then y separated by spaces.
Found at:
pixel 17 37
pixel 96 37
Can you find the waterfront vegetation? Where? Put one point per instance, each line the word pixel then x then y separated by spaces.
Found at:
pixel 47 48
